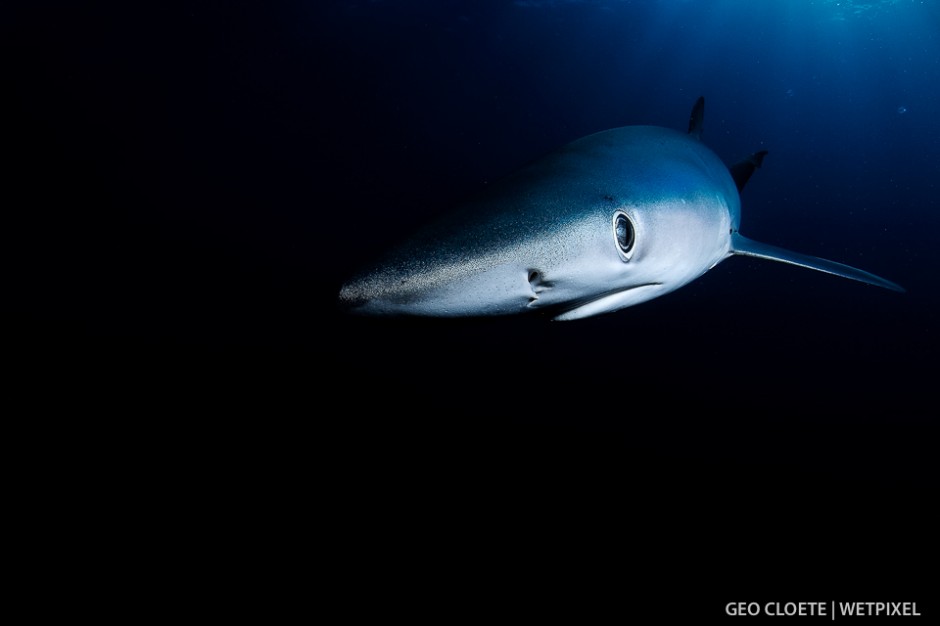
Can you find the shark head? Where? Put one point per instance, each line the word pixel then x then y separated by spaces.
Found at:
pixel 606 222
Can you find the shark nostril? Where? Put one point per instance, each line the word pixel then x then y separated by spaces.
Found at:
pixel 537 282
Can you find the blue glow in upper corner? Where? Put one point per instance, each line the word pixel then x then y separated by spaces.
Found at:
pixel 842 8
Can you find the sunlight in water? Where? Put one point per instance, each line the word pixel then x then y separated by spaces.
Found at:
pixel 848 8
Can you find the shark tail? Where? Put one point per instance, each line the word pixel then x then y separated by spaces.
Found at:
pixel 743 246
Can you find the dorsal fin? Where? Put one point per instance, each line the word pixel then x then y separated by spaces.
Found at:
pixel 742 170
pixel 695 120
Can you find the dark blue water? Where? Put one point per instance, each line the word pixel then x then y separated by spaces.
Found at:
pixel 188 186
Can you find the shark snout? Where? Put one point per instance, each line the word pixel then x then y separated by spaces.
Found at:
pixel 377 294
pixel 352 299
pixel 346 302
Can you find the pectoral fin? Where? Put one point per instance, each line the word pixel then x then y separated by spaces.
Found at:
pixel 746 247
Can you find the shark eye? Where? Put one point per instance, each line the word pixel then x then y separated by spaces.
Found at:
pixel 624 234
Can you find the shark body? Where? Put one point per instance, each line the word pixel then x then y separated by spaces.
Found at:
pixel 608 221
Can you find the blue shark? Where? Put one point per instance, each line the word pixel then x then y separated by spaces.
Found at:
pixel 608 221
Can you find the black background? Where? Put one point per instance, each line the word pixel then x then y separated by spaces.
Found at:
pixel 185 190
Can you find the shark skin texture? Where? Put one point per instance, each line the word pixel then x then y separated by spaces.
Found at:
pixel 607 221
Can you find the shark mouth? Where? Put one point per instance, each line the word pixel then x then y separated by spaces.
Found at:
pixel 608 301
